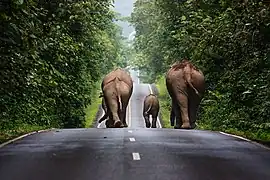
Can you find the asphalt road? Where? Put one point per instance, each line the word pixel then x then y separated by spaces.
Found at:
pixel 133 153
pixel 110 154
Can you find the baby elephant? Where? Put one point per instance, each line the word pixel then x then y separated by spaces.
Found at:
pixel 150 107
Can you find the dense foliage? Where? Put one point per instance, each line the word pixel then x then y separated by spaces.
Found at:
pixel 228 40
pixel 52 55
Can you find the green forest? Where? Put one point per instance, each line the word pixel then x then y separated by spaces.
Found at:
pixel 228 40
pixel 53 55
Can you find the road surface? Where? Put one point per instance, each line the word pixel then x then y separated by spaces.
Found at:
pixel 133 153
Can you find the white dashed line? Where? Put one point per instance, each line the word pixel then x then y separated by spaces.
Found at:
pixel 158 121
pixel 136 156
pixel 130 131
pixel 132 139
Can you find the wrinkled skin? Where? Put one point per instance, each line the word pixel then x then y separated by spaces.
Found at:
pixel 150 107
pixel 186 86
pixel 117 87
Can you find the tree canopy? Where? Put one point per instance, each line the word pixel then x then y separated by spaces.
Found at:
pixel 53 53
pixel 228 40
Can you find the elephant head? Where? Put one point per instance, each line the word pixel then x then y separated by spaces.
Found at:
pixel 186 85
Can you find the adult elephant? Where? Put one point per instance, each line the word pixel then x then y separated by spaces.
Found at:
pixel 117 88
pixel 186 86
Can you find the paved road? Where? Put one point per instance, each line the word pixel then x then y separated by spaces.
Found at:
pixel 133 153
pixel 110 154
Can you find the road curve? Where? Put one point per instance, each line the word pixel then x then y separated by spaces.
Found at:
pixel 127 153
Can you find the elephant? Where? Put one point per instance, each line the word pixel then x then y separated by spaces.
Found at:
pixel 117 88
pixel 186 86
pixel 150 107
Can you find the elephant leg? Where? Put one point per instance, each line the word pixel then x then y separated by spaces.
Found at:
pixel 183 103
pixel 115 115
pixel 154 122
pixel 109 123
pixel 123 116
pixel 146 119
pixel 192 110
pixel 172 116
pixel 176 115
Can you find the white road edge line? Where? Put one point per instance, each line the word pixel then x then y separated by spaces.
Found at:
pixel 239 137
pixel 130 131
pixel 25 135
pixel 132 139
pixel 103 112
pixel 258 144
pixel 151 91
pixel 136 156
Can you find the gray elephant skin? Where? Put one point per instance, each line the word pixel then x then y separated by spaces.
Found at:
pixel 151 107
pixel 186 86
pixel 117 88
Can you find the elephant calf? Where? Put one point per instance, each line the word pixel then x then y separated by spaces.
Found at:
pixel 150 107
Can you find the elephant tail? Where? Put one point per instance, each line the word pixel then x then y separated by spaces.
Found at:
pixel 104 117
pixel 187 75
pixel 118 94
pixel 120 102
pixel 149 109
pixel 191 85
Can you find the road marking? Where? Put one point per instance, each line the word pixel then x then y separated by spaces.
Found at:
pixel 132 139
pixel 150 89
pixel 136 156
pixel 22 136
pixel 103 112
pixel 258 144
pixel 129 113
pixel 158 121
pixel 130 131
pixel 234 136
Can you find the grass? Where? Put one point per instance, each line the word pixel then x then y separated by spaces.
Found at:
pixel 164 102
pixel 260 136
pixel 19 130
pixel 91 110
